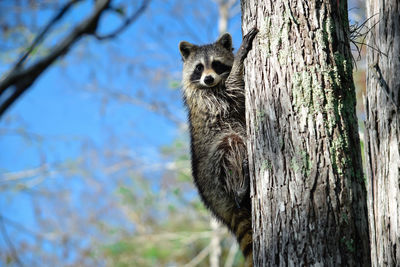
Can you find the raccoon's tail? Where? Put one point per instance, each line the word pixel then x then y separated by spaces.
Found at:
pixel 241 228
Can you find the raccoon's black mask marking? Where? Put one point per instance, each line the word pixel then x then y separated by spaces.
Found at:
pixel 219 67
pixel 198 71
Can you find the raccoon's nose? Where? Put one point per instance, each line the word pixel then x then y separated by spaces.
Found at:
pixel 209 80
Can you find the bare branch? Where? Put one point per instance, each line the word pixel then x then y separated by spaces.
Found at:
pixel 126 23
pixel 226 11
pixel 19 80
pixel 215 245
pixel 24 174
pixel 201 256
pixel 234 11
pixel 231 255
pixel 191 236
pixel 356 32
pixel 49 237
pixel 41 36
pixel 10 245
pixel 156 107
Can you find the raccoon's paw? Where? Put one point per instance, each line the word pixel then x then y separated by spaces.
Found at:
pixel 247 43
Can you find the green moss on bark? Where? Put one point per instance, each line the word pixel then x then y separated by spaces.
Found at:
pixel 333 96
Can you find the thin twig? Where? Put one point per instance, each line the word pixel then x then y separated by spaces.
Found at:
pixel 9 243
pixel 22 228
pixel 355 32
pixel 230 259
pixel 373 48
pixel 46 29
pixel 20 175
pixel 156 107
pixel 21 80
pixel 196 260
pixel 126 23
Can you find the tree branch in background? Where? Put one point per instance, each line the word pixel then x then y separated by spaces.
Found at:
pixel 47 237
pixel 215 246
pixel 155 106
pixel 201 256
pixel 10 245
pixel 41 36
pixel 19 80
pixel 224 10
pixel 126 23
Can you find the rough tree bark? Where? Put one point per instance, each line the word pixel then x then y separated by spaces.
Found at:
pixel 308 192
pixel 382 137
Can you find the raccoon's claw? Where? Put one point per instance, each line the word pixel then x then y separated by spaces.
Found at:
pixel 247 43
pixel 249 37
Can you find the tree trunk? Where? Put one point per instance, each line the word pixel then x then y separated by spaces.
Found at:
pixel 307 188
pixel 382 138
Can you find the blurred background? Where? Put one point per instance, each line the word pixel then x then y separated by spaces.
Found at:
pixel 94 156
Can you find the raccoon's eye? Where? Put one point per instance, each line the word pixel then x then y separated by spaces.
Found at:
pixel 199 67
pixel 220 67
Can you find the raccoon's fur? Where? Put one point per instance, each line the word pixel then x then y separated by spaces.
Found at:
pixel 213 91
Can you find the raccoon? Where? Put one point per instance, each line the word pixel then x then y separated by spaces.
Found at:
pixel 213 92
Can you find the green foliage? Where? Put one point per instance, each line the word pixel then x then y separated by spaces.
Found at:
pixel 118 248
pixel 174 84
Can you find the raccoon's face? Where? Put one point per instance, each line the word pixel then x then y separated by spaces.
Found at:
pixel 209 65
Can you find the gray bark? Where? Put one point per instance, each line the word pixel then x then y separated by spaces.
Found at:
pixel 308 192
pixel 382 150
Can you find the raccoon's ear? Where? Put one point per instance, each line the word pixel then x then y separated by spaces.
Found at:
pixel 186 48
pixel 225 41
